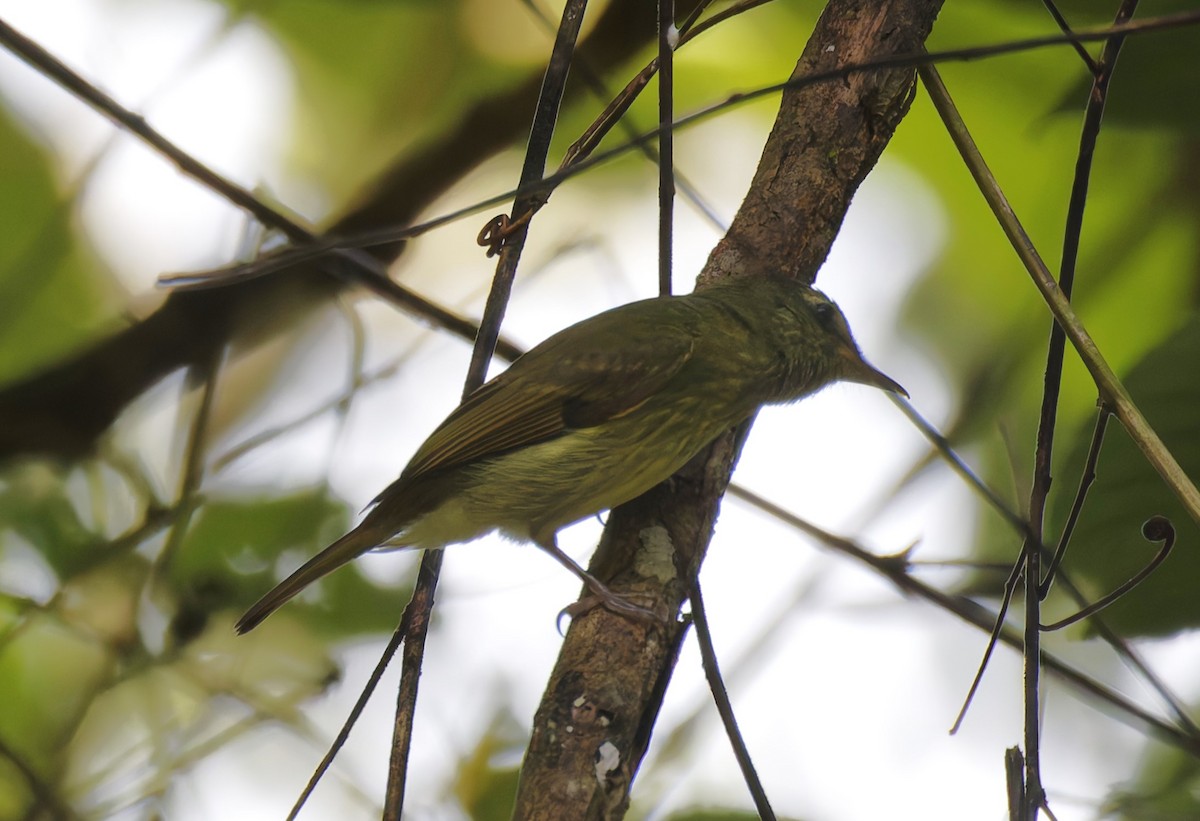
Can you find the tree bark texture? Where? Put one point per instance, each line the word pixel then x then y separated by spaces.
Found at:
pixel 593 726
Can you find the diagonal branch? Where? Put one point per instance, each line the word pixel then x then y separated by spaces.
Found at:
pixel 1111 390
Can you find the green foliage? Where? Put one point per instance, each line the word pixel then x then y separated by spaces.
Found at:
pixel 89 697
pixel 36 507
pixel 232 554
pixel 49 673
pixel 1166 789
pixel 53 295
pixel 485 784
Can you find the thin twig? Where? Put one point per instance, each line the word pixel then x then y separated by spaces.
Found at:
pixel 592 79
pixel 1014 782
pixel 1031 551
pixel 1086 479
pixel 947 452
pixel 421 606
pixel 1010 589
pixel 1065 28
pixel 1093 116
pixel 1035 793
pixel 385 658
pixel 716 686
pixel 668 35
pixel 205 375
pixel 943 447
pixel 1122 647
pixel 1156 529
pixel 615 111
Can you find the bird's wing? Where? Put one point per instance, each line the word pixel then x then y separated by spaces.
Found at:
pixel 579 378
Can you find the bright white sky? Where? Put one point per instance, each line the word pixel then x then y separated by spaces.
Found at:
pixel 845 711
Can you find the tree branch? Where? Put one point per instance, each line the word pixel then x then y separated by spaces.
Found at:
pixel 590 729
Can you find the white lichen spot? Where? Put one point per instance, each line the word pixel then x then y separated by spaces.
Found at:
pixel 657 561
pixel 830 49
pixel 579 702
pixel 608 758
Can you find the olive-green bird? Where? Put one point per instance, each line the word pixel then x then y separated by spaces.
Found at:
pixel 598 414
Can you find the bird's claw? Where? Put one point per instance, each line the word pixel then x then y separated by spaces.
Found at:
pixel 621 605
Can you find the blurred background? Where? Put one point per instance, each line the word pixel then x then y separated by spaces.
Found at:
pixel 128 549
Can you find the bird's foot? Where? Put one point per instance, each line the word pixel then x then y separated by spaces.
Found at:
pixel 622 605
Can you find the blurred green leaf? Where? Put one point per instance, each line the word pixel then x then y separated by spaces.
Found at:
pixel 15 795
pixel 1166 789
pixel 53 294
pixel 377 77
pixel 35 505
pixel 50 673
pixel 484 786
pixel 230 558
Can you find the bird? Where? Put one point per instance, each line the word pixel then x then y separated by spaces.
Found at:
pixel 596 415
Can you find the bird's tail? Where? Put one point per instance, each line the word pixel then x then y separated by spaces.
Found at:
pixel 353 544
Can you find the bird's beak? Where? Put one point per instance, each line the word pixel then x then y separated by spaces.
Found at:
pixel 857 369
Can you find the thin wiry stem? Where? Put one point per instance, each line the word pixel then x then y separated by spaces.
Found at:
pixel 1086 479
pixel 421 606
pixel 1156 529
pixel 1058 295
pixel 204 375
pixel 1039 493
pixel 667 34
pixel 1010 589
pixel 716 686
pixel 1065 28
pixel 1112 390
pixel 385 658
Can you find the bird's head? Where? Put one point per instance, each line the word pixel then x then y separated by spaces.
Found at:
pixel 814 343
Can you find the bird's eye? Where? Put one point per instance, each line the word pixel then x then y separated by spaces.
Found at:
pixel 824 312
